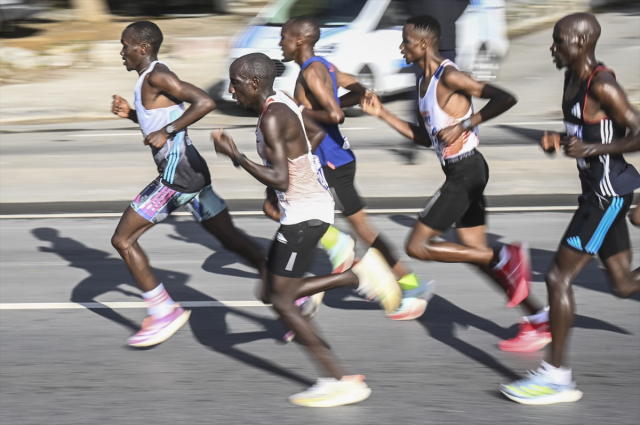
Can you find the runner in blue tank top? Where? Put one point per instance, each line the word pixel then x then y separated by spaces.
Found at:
pixel 317 94
pixel 597 115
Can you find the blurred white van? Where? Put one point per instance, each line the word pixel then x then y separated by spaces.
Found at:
pixel 481 38
pixel 360 37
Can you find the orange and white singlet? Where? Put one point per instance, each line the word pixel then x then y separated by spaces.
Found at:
pixel 435 119
pixel 308 196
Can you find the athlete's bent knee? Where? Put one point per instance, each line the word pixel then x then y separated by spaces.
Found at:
pixel 419 250
pixel 557 283
pixel 624 290
pixel 119 243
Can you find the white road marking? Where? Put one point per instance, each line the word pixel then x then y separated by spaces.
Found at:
pixel 515 124
pixel 73 306
pixel 260 213
pixel 132 133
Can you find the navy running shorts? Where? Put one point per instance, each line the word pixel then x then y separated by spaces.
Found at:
pixel 599 226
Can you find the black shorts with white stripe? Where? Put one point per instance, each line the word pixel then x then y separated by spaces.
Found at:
pixel 294 247
pixel 460 200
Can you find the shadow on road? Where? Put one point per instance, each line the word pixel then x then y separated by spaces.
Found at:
pixel 440 320
pixel 209 327
pixel 592 277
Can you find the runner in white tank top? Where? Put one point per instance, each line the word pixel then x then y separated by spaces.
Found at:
pixel 289 167
pixel 183 181
pixel 447 122
pixel 179 164
pixel 435 119
pixel 308 196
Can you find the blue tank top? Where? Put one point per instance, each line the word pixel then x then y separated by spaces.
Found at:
pixel 332 151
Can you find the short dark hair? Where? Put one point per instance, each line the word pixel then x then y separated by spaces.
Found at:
pixel 147 32
pixel 258 65
pixel 306 26
pixel 426 25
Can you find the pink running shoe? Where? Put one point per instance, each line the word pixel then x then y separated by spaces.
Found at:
pixel 516 273
pixel 530 338
pixel 154 331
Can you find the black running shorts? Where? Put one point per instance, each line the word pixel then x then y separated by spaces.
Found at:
pixel 460 200
pixel 293 248
pixel 341 182
pixel 599 225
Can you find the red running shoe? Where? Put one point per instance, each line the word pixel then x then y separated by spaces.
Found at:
pixel 530 338
pixel 516 272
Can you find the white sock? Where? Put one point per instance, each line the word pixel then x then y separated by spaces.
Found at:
pixel 158 301
pixel 555 375
pixel 504 257
pixel 541 316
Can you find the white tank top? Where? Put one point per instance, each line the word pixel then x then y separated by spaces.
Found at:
pixel 154 119
pixel 435 119
pixel 179 163
pixel 308 196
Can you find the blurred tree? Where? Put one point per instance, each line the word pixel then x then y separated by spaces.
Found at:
pixel 91 10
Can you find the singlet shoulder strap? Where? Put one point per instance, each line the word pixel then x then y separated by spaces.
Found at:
pixel 327 65
pixel 600 67
pixel 277 98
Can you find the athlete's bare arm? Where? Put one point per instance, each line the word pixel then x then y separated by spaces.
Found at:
pixel 607 98
pixel 121 108
pixel 372 105
pixel 271 208
pixel 281 129
pixel 166 89
pixel 349 82
pixel 315 133
pixel 459 86
pixel 317 80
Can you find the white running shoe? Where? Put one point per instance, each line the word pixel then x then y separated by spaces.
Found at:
pixel 329 392
pixel 377 281
pixel 309 305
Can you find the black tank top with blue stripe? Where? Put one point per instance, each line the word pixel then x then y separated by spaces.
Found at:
pixel 607 175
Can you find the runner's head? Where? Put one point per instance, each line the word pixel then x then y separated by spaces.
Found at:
pixel 251 79
pixel 574 38
pixel 419 35
pixel 300 32
pixel 140 44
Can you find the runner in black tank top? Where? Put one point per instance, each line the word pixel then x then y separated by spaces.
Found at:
pixel 597 115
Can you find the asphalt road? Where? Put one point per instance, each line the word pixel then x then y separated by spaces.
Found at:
pixel 228 366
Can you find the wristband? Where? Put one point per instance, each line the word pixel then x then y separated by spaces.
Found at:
pixel 465 124
pixel 237 161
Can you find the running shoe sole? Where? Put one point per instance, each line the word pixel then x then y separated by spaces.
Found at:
pixel 522 290
pixel 415 310
pixel 164 335
pixel 347 262
pixel 418 304
pixel 377 280
pixel 567 396
pixel 539 344
pixel 338 400
pixel 316 301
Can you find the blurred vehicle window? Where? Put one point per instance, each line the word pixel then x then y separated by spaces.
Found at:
pixel 396 15
pixel 328 13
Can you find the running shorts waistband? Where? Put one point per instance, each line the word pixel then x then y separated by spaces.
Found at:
pixel 460 157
